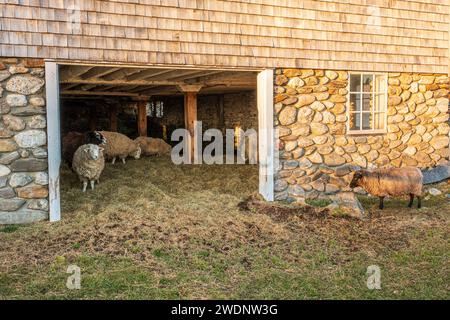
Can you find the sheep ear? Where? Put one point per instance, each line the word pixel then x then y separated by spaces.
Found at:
pixel 102 149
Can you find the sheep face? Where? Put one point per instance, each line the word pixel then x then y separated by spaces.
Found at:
pixel 94 151
pixel 357 176
pixel 137 154
pixel 95 137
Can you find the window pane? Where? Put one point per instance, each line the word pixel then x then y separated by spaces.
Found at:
pixel 355 83
pixel 380 83
pixel 379 121
pixel 355 121
pixel 367 103
pixel 355 102
pixel 379 103
pixel 367 83
pixel 366 121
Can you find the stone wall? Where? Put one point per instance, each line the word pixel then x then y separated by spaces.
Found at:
pixel 23 142
pixel 317 154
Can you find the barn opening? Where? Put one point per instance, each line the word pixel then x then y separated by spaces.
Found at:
pixel 153 102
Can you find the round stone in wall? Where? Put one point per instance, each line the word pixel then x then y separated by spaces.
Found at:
pixel 37 101
pixel 7 145
pixel 24 84
pixel 19 179
pixel 318 128
pixel 31 138
pixel 14 123
pixel 4 170
pixel 38 204
pixel 38 122
pixel 439 142
pixel 287 116
pixel 4 75
pixel 334 160
pixel 16 100
pixel 41 178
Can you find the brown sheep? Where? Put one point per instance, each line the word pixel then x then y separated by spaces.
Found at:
pixel 392 182
pixel 153 146
pixel 119 145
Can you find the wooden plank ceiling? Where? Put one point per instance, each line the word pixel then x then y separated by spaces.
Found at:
pixel 145 82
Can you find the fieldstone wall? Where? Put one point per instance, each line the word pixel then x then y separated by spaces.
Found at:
pixel 318 155
pixel 23 141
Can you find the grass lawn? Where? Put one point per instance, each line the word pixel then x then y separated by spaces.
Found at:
pixel 153 230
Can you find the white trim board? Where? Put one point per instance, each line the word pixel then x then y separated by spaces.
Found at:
pixel 267 157
pixel 53 138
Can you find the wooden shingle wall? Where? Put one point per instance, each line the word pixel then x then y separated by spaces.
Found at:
pixel 378 35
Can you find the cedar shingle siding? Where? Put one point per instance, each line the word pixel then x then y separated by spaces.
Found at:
pixel 378 35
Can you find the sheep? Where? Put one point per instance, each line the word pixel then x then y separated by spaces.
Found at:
pixel 153 146
pixel 119 145
pixel 73 140
pixel 88 163
pixel 391 182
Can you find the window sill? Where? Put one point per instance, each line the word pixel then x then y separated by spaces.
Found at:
pixel 366 133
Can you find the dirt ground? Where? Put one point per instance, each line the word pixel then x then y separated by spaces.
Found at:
pixel 156 230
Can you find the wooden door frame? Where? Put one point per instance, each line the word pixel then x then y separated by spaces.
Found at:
pixel 266 135
pixel 266 140
pixel 53 138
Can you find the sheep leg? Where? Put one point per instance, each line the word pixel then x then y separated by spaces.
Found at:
pixel 123 160
pixel 419 203
pixel 113 160
pixel 92 184
pixel 84 186
pixel 381 203
pixel 411 200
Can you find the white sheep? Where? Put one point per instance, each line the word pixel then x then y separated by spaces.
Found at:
pixel 119 145
pixel 88 163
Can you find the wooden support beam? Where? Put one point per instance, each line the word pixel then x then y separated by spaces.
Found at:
pixel 190 116
pixel 73 72
pixel 122 73
pixel 142 118
pixel 97 81
pixel 99 93
pixel 190 87
pixel 202 73
pixel 98 72
pixel 149 73
pixel 113 124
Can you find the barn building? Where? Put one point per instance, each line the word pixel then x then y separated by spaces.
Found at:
pixel 330 85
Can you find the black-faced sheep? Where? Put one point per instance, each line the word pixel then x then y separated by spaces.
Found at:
pixel 392 182
pixel 73 140
pixel 153 146
pixel 120 146
pixel 88 163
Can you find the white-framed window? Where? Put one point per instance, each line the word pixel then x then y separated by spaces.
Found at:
pixel 367 103
pixel 155 109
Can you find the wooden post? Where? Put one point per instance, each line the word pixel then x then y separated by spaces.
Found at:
pixel 190 114
pixel 113 118
pixel 142 118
